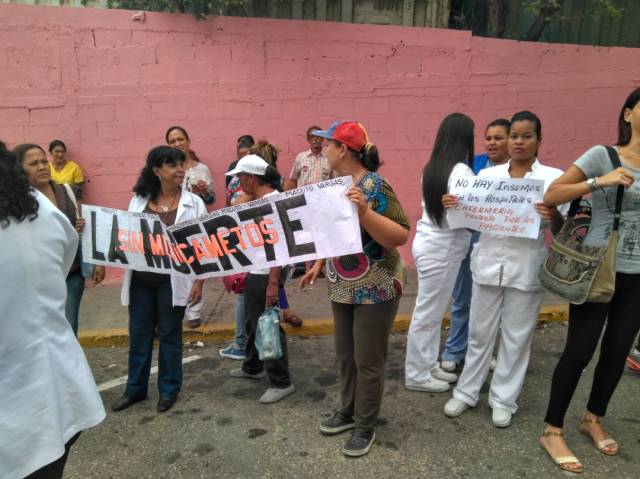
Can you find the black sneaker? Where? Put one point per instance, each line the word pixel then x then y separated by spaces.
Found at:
pixel 337 424
pixel 359 443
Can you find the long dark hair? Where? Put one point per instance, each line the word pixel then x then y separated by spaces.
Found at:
pixel 148 184
pixel 16 198
pixel 624 128
pixel 453 145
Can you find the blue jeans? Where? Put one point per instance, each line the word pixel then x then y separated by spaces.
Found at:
pixel 151 307
pixel 241 334
pixel 75 288
pixel 456 345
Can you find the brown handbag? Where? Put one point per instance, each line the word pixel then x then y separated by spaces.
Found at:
pixel 580 273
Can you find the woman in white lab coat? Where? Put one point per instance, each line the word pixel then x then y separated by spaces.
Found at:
pixel 48 393
pixel 438 252
pixel 506 291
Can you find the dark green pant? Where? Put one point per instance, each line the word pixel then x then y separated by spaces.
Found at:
pixel 361 336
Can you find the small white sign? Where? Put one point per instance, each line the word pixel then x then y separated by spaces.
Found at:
pixel 501 206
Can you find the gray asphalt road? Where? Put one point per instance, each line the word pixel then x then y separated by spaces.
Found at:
pixel 219 430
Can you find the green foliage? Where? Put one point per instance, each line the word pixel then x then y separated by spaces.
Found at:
pixel 198 8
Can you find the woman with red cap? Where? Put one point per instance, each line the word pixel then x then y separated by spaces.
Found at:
pixel 364 288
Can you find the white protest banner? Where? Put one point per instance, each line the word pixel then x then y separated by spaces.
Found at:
pixel 501 206
pixel 308 223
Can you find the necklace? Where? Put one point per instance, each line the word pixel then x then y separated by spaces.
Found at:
pixel 165 208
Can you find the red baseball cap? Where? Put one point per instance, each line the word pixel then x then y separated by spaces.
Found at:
pixel 349 133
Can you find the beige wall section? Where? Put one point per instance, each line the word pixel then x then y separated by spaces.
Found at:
pixel 419 13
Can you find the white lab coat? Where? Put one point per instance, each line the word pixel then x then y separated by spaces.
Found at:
pixel 189 207
pixel 437 252
pixel 47 391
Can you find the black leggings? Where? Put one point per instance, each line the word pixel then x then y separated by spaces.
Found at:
pixel 54 469
pixel 586 321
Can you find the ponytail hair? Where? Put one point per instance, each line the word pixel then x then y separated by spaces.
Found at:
pixel 369 157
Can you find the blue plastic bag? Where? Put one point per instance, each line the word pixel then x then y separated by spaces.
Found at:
pixel 268 335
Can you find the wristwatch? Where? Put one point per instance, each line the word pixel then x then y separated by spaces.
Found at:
pixel 592 183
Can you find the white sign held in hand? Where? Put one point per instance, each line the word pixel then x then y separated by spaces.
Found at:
pixel 502 206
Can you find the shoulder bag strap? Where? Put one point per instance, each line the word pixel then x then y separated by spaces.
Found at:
pixel 615 162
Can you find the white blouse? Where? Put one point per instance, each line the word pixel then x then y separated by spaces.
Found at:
pixel 508 261
pixel 442 243
pixel 47 391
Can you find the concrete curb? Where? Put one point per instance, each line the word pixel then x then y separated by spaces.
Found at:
pixel 218 333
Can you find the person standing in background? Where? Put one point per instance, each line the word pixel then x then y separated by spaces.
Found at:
pixel 310 166
pixel 63 170
pixel 197 180
pixel 32 160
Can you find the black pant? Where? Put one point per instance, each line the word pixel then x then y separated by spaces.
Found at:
pixel 255 297
pixel 586 321
pixel 54 469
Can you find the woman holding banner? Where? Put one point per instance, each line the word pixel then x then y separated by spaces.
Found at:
pixel 157 301
pixel 506 291
pixel 438 251
pixel 619 318
pixel 364 288
pixel 33 161
pixel 48 393
pixel 259 180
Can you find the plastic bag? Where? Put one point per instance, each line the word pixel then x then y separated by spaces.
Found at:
pixel 268 335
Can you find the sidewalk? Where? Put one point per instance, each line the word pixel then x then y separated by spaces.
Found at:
pixel 103 322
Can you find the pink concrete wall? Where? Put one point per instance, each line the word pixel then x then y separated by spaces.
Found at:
pixel 109 87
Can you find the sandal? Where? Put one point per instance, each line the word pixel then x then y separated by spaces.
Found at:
pixel 599 445
pixel 562 461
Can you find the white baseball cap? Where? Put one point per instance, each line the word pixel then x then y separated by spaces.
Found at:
pixel 251 165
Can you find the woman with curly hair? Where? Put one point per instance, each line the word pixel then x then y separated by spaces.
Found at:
pixel 48 393
pixel 157 301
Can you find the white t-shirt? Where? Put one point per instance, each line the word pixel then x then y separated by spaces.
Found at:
pixel 442 243
pixel 47 391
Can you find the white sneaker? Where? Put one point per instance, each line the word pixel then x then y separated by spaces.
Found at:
pixel 448 366
pixel 455 407
pixel 501 417
pixel 493 364
pixel 438 373
pixel 431 385
pixel 272 395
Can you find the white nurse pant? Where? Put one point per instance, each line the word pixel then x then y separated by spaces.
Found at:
pixel 436 280
pixel 519 311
